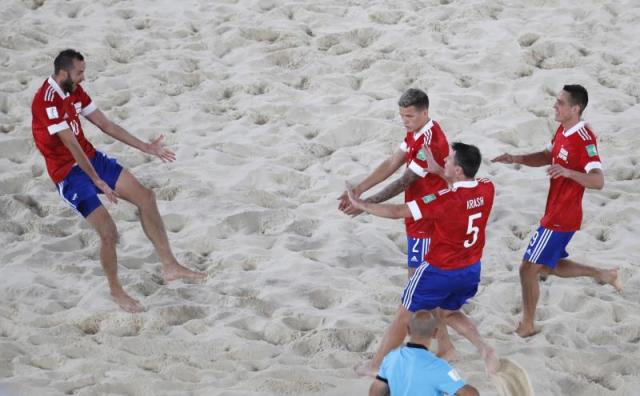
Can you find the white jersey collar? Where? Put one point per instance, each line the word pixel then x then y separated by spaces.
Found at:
pixel 56 87
pixel 573 129
pixel 425 128
pixel 464 184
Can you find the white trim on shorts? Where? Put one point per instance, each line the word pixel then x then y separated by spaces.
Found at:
pixel 540 245
pixel 60 185
pixel 413 283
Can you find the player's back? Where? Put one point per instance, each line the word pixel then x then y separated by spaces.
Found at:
pixel 459 236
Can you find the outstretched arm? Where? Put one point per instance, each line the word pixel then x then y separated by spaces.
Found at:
pixel 69 140
pixel 540 158
pixel 382 172
pixel 382 210
pixel 395 188
pixel 114 130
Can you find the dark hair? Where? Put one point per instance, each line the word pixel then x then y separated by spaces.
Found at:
pixel 414 97
pixel 577 96
pixel 64 60
pixel 467 157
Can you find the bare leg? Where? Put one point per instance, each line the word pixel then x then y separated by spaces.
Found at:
pixel 570 269
pixel 446 350
pixel 465 327
pixel 529 273
pixel 106 229
pixel 129 188
pixel 393 337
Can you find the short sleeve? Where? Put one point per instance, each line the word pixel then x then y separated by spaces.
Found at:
pixel 87 104
pixel 590 157
pixel 431 206
pixel 449 380
pixel 383 373
pixel 404 146
pixel 52 115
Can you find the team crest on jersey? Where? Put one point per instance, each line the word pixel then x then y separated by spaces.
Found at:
pixel 563 154
pixel 428 198
pixel 592 151
pixel 78 107
pixel 422 156
pixel 52 113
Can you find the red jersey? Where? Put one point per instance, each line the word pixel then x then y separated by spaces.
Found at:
pixel 428 183
pixel 575 149
pixel 460 217
pixel 54 111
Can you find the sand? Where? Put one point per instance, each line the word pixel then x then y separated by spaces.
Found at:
pixel 270 107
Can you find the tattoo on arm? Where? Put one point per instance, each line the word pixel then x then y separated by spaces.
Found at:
pixel 394 188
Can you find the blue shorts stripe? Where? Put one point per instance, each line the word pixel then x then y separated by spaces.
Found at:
pixel 541 244
pixel 417 249
pixel 407 295
pixel 60 189
pixel 547 247
pixel 432 287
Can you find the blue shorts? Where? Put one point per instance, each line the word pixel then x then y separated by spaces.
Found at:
pixel 78 190
pixel 431 287
pixel 547 247
pixel 417 248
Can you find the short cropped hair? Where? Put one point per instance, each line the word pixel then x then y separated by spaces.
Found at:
pixel 577 96
pixel 414 97
pixel 468 158
pixel 64 60
pixel 422 324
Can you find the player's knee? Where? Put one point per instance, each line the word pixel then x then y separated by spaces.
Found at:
pixel 109 234
pixel 147 197
pixel 528 269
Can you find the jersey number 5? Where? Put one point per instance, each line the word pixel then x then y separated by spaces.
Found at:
pixel 473 230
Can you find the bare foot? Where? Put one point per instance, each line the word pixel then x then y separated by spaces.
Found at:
pixel 611 277
pixel 491 361
pixel 176 271
pixel 364 369
pixel 448 354
pixel 526 331
pixel 127 303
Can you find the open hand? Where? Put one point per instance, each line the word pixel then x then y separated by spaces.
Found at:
pixel 356 203
pixel 111 195
pixel 556 171
pixel 432 165
pixel 156 148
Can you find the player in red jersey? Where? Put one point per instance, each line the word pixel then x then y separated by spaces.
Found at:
pixel 80 172
pixel 450 274
pixel 415 181
pixel 575 165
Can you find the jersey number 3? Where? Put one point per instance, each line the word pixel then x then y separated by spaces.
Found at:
pixel 473 230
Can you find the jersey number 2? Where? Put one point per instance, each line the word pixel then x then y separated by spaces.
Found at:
pixel 473 230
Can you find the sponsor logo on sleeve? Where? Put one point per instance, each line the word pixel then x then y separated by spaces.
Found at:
pixel 453 374
pixel 428 198
pixel 592 151
pixel 52 113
